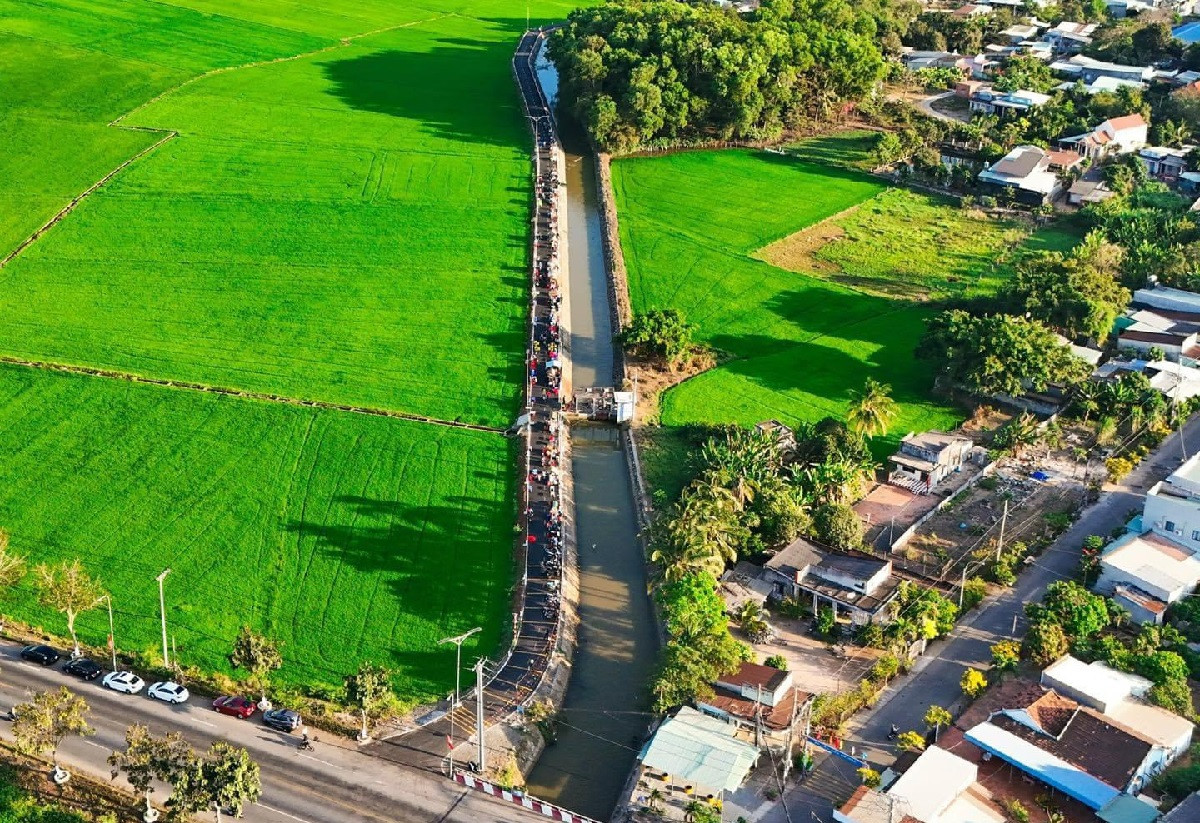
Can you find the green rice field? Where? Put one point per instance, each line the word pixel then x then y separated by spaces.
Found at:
pixel 321 201
pixel 694 226
pixel 326 528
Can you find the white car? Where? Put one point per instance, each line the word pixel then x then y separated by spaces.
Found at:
pixel 126 682
pixel 168 692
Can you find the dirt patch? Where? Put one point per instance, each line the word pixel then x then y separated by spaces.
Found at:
pixel 654 378
pixel 797 252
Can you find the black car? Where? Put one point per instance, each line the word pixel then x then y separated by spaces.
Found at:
pixel 43 655
pixel 83 668
pixel 285 720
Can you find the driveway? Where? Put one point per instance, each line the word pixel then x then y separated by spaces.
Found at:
pixel 935 679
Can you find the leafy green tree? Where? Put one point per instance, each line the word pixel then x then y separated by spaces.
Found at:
pixel 224 778
pixel 258 654
pixel 369 691
pixel 659 333
pixel 870 778
pixel 1006 655
pixel 937 717
pixel 1025 72
pixel 1174 696
pixel 838 526
pixel 1045 642
pixel 46 719
pixel 777 661
pixel 68 589
pixel 12 569
pixel 910 742
pixel 973 683
pixel 1080 613
pixel 998 353
pixel 872 409
pixel 147 758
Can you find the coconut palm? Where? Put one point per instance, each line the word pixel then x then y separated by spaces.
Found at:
pixel 872 409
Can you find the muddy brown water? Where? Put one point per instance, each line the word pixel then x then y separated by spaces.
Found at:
pixel 605 715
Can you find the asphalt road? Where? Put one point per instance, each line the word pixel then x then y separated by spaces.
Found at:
pixel 332 784
pixel 935 680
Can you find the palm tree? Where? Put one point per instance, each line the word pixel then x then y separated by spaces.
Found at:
pixel 1087 399
pixel 872 409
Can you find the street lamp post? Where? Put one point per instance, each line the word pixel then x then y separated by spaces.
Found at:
pixel 162 611
pixel 112 639
pixel 458 642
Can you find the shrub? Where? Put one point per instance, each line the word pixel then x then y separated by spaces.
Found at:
pixel 910 742
pixel 777 661
pixel 1017 811
pixel 973 683
pixel 826 620
pixel 871 636
pixel 838 526
pixel 870 778
pixel 1006 655
pixel 885 668
pixel 973 593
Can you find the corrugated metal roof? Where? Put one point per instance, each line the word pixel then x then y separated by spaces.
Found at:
pixel 699 749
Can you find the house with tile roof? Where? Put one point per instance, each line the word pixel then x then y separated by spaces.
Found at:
pixel 762 702
pixel 1117 135
pixel 855 585
pixel 1028 172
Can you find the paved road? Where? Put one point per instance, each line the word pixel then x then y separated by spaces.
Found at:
pixel 333 784
pixel 935 681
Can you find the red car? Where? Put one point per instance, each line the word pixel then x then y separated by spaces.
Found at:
pixel 236 706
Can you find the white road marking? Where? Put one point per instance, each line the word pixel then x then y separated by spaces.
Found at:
pixel 204 722
pixel 97 745
pixel 282 812
pixel 319 760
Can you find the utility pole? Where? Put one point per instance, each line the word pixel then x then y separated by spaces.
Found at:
pixel 479 714
pixel 791 736
pixel 758 717
pixel 457 641
pixel 112 640
pixel 162 612
pixel 1003 521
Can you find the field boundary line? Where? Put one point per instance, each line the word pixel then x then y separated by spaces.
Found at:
pixel 169 134
pixel 111 374
pixel 75 201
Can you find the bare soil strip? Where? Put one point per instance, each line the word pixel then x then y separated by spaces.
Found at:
pixel 797 252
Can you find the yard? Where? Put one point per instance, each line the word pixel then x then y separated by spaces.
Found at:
pixel 339 212
pixel 345 536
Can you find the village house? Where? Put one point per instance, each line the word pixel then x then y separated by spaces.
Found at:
pixel 1072 748
pixel 1172 380
pixel 857 586
pixel 1117 135
pixel 1087 69
pixel 1029 173
pixel 972 10
pixel 783 436
pixel 1165 163
pixel 917 60
pixel 1018 32
pixel 1069 37
pixel 939 787
pixel 1087 190
pixel 986 100
pixel 762 702
pixel 1152 334
pixel 1157 561
pixel 1169 302
pixel 925 459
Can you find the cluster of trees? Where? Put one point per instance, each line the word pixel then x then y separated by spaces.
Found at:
pixel 660 71
pixel 997 353
pixel 1152 226
pixel 659 334
pixel 1072 619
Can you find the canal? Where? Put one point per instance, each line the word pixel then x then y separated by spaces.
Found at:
pixel 606 709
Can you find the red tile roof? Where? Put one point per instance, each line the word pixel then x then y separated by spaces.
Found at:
pixel 776 717
pixel 754 675
pixel 1129 121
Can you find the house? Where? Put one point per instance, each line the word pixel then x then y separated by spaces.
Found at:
pixel 1165 163
pixel 1168 299
pixel 755 695
pixel 698 753
pixel 1173 380
pixel 967 89
pixel 939 787
pixel 986 100
pixel 1069 37
pixel 1172 507
pixel 1072 748
pixel 925 459
pixel 1100 84
pixel 1178 346
pixel 784 437
pixel 1084 191
pixel 744 584
pixel 854 584
pixel 972 10
pixel 1027 172
pixel 1085 68
pixel 917 60
pixel 1016 33
pixel 1117 135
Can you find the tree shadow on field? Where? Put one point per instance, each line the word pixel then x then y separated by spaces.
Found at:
pixel 460 89
pixel 449 564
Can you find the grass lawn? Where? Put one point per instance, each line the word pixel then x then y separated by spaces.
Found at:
pixel 327 530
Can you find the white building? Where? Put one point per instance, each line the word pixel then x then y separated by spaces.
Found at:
pixel 939 787
pixel 1164 297
pixel 1029 172
pixel 1117 135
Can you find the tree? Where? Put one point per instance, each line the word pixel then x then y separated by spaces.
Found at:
pixel 910 742
pixel 1045 642
pixel 46 719
pixel 147 758
pixel 973 683
pixel 870 778
pixel 998 353
pixel 872 409
pixel 68 589
pixel 659 333
pixel 936 717
pixel 838 526
pixel 225 778
pixel 1006 655
pixel 259 654
pixel 1080 613
pixel 12 568
pixel 777 661
pixel 1025 72
pixel 368 691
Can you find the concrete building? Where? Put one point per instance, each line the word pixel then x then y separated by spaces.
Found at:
pixel 1117 135
pixel 855 585
pixel 986 100
pixel 939 787
pixel 698 754
pixel 925 459
pixel 762 702
pixel 1028 173
pixel 1088 69
pixel 1165 163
